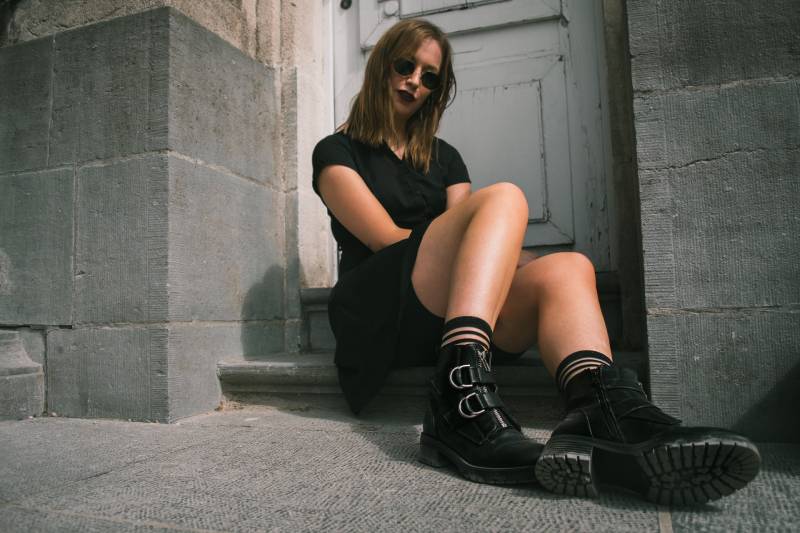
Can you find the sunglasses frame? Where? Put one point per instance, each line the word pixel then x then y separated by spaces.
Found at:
pixel 434 80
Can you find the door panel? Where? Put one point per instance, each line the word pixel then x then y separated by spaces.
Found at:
pixel 527 105
pixel 508 121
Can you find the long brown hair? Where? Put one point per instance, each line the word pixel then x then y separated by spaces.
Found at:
pixel 371 118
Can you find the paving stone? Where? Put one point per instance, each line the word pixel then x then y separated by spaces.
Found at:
pixel 14 519
pixel 769 503
pixel 42 454
pixel 274 478
pixel 316 469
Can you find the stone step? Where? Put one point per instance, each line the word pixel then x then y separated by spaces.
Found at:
pixel 524 384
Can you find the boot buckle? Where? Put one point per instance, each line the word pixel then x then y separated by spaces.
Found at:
pixel 451 377
pixel 464 404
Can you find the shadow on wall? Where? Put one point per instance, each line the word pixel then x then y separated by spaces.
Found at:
pixel 263 316
pixel 7 8
pixel 775 418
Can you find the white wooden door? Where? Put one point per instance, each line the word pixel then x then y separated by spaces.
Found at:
pixel 530 106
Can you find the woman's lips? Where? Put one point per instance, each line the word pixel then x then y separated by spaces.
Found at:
pixel 406 96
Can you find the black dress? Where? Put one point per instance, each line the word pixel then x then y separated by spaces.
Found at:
pixel 367 305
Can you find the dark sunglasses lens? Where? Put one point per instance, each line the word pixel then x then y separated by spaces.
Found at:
pixel 404 67
pixel 430 80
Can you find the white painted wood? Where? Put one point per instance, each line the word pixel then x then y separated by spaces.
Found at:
pixel 529 107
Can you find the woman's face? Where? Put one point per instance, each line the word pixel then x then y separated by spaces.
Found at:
pixel 408 92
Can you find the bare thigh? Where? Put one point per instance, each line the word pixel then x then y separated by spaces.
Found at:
pixel 567 274
pixel 439 246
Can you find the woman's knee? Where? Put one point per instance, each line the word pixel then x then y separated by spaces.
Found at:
pixel 508 194
pixel 556 270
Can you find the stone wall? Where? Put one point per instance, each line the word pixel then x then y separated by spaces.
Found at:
pixel 290 36
pixel 157 212
pixel 142 228
pixel 717 118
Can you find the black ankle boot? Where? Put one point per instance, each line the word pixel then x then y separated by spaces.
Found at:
pixel 612 435
pixel 467 425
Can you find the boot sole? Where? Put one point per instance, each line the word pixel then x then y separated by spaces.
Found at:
pixel 437 454
pixel 685 471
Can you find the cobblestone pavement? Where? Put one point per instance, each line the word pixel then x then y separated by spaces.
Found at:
pixel 296 466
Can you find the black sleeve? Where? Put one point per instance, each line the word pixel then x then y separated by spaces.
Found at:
pixel 456 169
pixel 332 150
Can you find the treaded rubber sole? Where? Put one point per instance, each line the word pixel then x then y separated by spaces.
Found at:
pixel 437 454
pixel 678 472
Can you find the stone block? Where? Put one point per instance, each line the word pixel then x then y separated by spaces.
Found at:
pixel 25 105
pixel 222 103
pixel 159 373
pixel 234 20
pixel 21 395
pixel 110 88
pixel 688 43
pixel 226 246
pixel 732 369
pixel 36 247
pixel 121 241
pixel 194 351
pixel 680 128
pixel 33 340
pixel 735 230
pixel 108 372
pixel 320 335
pixel 658 249
pixel 21 379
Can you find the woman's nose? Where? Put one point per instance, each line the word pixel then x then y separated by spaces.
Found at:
pixel 415 77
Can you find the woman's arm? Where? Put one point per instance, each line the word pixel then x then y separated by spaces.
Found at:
pixel 457 193
pixel 354 205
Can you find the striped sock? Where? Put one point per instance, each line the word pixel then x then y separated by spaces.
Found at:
pixel 576 363
pixel 466 329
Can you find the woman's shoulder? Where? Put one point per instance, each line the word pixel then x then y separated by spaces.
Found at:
pixel 338 138
pixel 444 151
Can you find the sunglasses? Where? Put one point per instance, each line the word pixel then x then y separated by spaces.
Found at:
pixel 406 67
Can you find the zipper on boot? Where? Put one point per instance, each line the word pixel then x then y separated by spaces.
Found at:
pixel 496 412
pixel 605 408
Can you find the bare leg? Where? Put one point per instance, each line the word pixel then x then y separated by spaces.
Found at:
pixel 465 264
pixel 468 256
pixel 553 299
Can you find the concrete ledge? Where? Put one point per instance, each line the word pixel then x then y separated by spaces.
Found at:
pixel 316 374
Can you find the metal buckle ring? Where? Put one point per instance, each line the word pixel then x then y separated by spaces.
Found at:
pixel 465 402
pixel 459 386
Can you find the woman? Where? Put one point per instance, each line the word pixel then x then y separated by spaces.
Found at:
pixel 431 272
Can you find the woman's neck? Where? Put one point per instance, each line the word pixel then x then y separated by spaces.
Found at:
pixel 398 143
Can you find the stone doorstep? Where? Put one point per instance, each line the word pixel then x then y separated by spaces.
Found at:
pixel 316 374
